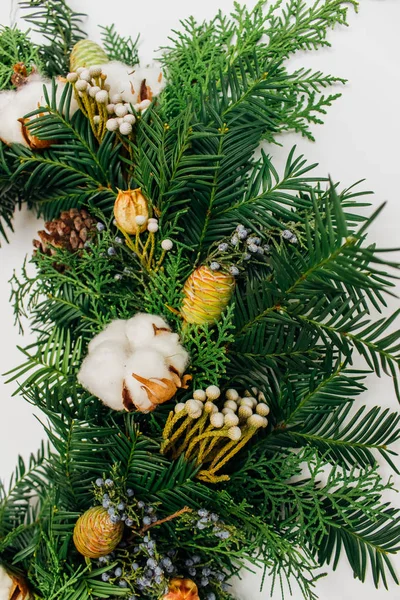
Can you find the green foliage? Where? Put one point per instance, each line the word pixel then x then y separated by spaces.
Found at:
pixel 306 489
pixel 15 47
pixel 244 55
pixel 60 26
pixel 118 47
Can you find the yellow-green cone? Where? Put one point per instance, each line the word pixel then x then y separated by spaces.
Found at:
pixel 95 535
pixel 206 295
pixel 86 53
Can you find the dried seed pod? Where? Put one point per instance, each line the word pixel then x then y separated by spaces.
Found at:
pixel 235 433
pixel 232 394
pixel 200 395
pixel 231 404
pixel 182 589
pixel 129 205
pixel 257 421
pixel 245 412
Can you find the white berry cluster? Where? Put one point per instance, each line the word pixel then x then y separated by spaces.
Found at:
pixel 121 114
pixel 107 111
pixel 236 415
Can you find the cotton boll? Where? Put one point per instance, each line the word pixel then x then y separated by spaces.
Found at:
pixel 114 333
pixel 141 331
pixel 102 374
pixel 12 586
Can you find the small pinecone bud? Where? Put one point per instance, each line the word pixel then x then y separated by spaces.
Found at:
pixel 86 53
pixel 206 295
pixel 182 589
pixel 70 231
pixel 94 533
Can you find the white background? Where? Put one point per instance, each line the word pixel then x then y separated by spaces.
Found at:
pixel 360 139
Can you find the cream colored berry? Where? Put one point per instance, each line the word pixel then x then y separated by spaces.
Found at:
pixel 179 407
pixel 245 412
pixel 200 395
pixel 231 420
pixel 231 404
pixel 213 392
pixel 235 433
pixel 232 394
pixel 262 409
pixel 217 420
pixel 256 421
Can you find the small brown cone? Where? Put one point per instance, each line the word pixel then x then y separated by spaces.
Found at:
pixel 182 589
pixel 70 231
pixel 206 295
pixel 95 535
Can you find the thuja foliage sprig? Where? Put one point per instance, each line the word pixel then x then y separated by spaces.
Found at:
pixel 246 52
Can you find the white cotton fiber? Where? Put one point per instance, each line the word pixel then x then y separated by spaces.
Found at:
pixel 140 329
pixel 102 374
pixel 175 355
pixel 115 333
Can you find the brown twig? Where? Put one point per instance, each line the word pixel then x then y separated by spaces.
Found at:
pixel 184 510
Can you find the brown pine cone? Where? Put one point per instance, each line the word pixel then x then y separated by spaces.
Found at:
pixel 70 231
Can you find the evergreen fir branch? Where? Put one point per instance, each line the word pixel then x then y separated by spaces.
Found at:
pixel 74 170
pixel 347 439
pixel 54 361
pixel 117 47
pixel 60 26
pixel 15 501
pixel 15 47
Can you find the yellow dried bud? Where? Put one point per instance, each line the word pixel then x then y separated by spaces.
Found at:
pixel 129 205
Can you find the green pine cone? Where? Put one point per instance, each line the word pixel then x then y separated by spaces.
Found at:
pixel 87 54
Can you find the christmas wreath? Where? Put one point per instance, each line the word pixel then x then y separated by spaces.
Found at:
pixel 196 315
